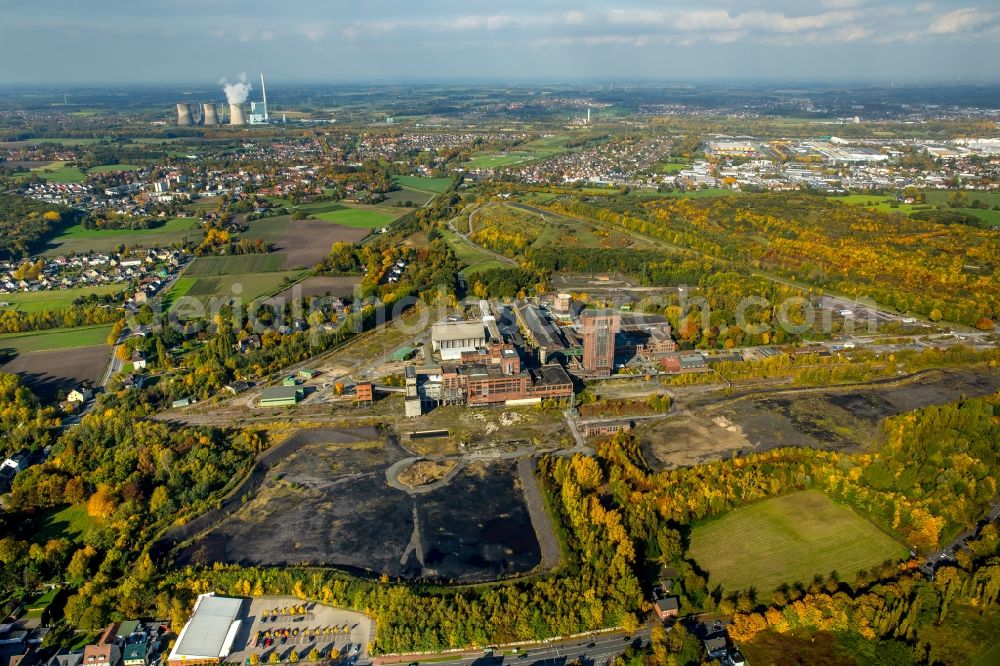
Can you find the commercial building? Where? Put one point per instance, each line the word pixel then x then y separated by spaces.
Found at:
pixel 280 396
pixel 208 636
pixel 599 330
pixel 451 338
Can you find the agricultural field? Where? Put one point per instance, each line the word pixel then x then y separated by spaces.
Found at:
pixel 322 285
pixel 77 239
pixel 789 539
pixel 109 168
pixel 415 197
pixel 500 160
pixel 230 265
pixel 55 299
pixel 245 286
pixel 57 370
pixel 433 185
pixel 58 338
pixel 304 243
pixel 59 172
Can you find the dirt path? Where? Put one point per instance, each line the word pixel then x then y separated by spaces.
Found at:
pixel 540 520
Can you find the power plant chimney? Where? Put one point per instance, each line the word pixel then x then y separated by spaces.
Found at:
pixel 208 114
pixel 263 92
pixel 236 115
pixel 184 115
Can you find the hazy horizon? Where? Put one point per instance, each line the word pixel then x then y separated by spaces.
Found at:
pixel 181 42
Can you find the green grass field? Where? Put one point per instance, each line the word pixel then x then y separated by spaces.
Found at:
pixel 58 172
pixel 56 299
pixel 246 287
pixel 499 160
pixel 789 539
pixel 363 218
pixel 415 197
pixel 68 522
pixel 884 204
pixel 107 168
pixel 234 265
pixel 180 288
pixel 435 185
pixel 77 239
pixel 670 167
pixel 59 338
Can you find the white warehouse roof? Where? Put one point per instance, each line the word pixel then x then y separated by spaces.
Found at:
pixel 210 632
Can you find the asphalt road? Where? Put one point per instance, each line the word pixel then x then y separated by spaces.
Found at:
pixel 605 648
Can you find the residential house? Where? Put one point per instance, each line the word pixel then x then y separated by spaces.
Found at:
pixel 136 654
pixel 666 607
pixel 134 381
pixel 64 658
pixel 138 360
pixel 102 654
pixel 80 394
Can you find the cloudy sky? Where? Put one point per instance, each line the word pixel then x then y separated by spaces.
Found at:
pixel 508 40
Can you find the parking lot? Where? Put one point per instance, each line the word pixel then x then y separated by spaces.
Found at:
pixel 274 625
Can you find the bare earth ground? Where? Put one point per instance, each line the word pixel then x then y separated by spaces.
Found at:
pixel 711 427
pixel 307 242
pixel 329 503
pixel 51 371
pixel 319 285
pixel 424 472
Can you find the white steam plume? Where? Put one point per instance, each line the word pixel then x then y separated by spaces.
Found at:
pixel 236 93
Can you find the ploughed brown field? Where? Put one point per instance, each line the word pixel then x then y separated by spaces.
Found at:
pixel 321 285
pixel 307 242
pixel 51 371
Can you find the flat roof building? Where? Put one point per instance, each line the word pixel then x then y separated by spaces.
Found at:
pixel 280 396
pixel 451 338
pixel 208 636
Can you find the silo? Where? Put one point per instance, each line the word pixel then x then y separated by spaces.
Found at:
pixel 208 114
pixel 236 114
pixel 183 115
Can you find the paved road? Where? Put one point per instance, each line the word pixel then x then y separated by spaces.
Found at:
pixel 596 650
pixel 946 555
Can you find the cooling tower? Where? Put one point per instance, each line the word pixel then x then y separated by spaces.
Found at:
pixel 184 115
pixel 236 114
pixel 208 114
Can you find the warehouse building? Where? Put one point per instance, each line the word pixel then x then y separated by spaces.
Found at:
pixel 280 396
pixel 208 636
pixel 451 338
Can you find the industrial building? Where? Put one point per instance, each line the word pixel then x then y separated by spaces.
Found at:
pixel 451 338
pixel 542 331
pixel 599 330
pixel 208 636
pixel 280 396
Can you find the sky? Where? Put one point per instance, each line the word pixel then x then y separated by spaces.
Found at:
pixel 99 41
